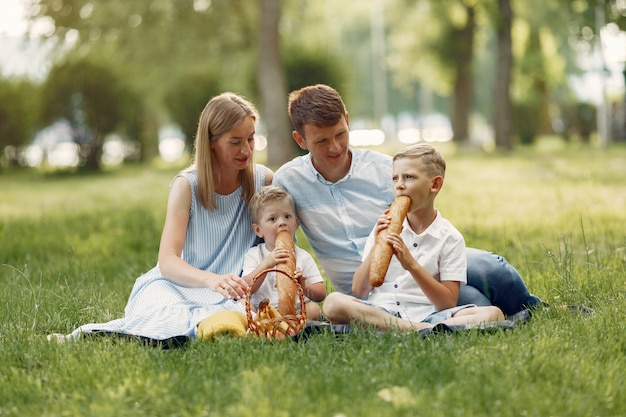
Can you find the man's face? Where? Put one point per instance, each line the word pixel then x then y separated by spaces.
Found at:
pixel 328 146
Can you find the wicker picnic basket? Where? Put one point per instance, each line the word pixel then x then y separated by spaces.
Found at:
pixel 277 327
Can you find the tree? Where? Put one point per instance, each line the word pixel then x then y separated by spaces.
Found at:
pixel 440 54
pixel 19 110
pixel 92 99
pixel 188 97
pixel 153 44
pixel 462 48
pixel 272 84
pixel 502 119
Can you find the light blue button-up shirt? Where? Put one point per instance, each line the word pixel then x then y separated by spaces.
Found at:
pixel 338 217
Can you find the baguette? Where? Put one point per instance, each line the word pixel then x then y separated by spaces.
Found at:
pixel 287 289
pixel 382 250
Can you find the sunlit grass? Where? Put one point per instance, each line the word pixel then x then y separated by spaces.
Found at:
pixel 71 248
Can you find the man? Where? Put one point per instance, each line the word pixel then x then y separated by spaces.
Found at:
pixel 341 192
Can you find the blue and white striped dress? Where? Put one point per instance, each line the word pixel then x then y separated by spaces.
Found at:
pixel 216 241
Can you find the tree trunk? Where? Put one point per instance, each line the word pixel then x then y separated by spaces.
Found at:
pixel 273 86
pixel 93 151
pixel 463 83
pixel 502 102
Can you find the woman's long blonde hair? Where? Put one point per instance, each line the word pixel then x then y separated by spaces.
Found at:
pixel 221 114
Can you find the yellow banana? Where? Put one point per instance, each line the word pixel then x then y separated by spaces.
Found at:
pixel 266 311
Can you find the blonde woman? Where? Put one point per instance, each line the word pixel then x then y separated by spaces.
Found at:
pixel 207 231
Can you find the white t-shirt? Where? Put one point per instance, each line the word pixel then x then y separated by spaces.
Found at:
pixel 440 250
pixel 304 261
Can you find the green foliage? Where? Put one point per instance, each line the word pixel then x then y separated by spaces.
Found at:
pixel 307 67
pixel 84 93
pixel 72 246
pixel 93 99
pixel 188 96
pixel 154 43
pixel 19 112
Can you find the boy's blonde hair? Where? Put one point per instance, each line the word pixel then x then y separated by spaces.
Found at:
pixel 431 158
pixel 221 114
pixel 265 195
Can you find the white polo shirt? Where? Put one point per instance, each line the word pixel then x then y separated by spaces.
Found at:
pixel 304 261
pixel 440 250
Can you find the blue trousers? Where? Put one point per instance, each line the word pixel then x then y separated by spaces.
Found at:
pixel 491 280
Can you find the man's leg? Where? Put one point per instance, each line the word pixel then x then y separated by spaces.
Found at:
pixel 471 295
pixel 501 284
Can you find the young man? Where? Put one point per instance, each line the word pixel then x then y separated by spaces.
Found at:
pixel 340 192
pixel 421 286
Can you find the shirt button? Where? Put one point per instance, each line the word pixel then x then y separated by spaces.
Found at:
pixel 397 302
pixel 415 245
pixel 395 285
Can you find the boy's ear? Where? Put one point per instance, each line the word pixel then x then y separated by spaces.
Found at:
pixel 257 230
pixel 299 140
pixel 437 183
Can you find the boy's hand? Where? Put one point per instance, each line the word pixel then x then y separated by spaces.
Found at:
pixel 300 277
pixel 383 221
pixel 400 250
pixel 278 256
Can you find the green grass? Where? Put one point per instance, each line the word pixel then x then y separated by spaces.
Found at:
pixel 71 248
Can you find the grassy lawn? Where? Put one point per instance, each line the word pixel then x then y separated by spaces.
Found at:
pixel 72 246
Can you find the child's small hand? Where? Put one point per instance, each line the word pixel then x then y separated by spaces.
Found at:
pixel 278 256
pixel 299 276
pixel 400 250
pixel 383 221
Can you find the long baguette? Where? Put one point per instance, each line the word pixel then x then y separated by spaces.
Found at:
pixel 382 251
pixel 287 289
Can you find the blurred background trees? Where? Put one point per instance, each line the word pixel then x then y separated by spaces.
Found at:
pixel 503 72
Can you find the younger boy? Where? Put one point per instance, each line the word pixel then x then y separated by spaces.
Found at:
pixel 429 265
pixel 272 209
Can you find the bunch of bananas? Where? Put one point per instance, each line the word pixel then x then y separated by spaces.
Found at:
pixel 273 325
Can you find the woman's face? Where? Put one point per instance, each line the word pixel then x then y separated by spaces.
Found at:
pixel 235 148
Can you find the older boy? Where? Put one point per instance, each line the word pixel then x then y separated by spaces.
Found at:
pixel 340 191
pixel 421 287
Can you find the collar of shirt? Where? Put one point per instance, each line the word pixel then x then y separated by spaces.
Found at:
pixel 321 178
pixel 434 229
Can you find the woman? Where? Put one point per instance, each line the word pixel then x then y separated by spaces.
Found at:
pixel 206 234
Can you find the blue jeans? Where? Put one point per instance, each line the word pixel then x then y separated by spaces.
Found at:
pixel 491 280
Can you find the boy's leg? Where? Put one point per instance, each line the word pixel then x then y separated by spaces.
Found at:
pixel 500 282
pixel 475 315
pixel 344 309
pixel 313 310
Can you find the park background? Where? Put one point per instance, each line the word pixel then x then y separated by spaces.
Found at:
pixel 536 169
pixel 87 83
